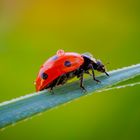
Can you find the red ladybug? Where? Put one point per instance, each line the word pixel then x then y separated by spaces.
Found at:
pixel 63 66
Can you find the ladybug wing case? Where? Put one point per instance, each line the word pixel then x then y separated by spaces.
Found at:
pixel 57 66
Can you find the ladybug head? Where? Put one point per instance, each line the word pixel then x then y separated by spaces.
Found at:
pixel 101 67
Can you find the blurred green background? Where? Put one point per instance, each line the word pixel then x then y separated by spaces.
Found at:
pixel 33 30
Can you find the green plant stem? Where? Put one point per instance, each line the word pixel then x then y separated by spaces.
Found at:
pixel 31 104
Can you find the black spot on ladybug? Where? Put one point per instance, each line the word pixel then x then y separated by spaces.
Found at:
pixel 67 63
pixel 44 76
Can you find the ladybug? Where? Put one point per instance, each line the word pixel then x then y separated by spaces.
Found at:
pixel 63 66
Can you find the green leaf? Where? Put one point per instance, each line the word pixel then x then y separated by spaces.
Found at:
pixel 31 104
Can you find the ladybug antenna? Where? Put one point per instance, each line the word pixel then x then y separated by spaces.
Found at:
pixel 60 52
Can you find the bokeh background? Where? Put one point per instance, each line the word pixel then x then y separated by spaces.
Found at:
pixel 33 30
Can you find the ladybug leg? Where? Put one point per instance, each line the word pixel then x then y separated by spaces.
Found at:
pixel 64 79
pixel 58 81
pixel 61 80
pixel 93 74
pixel 51 90
pixel 55 84
pixel 87 72
pixel 81 83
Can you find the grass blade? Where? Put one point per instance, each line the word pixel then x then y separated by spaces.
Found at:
pixel 29 105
